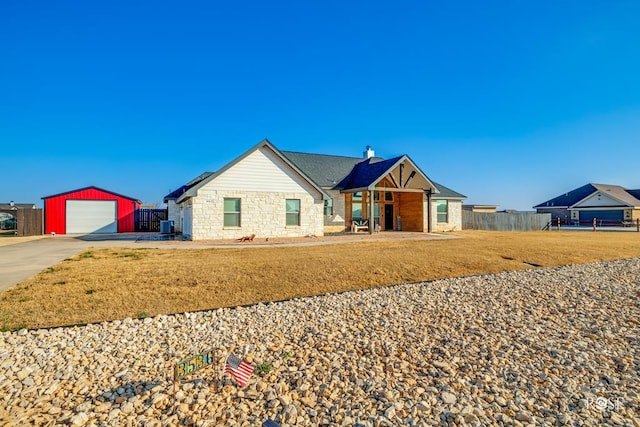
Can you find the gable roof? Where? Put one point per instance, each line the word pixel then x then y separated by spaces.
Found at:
pixel 325 170
pixel 616 192
pixel 634 193
pixel 574 197
pixel 366 173
pixel 447 193
pixel 193 190
pixel 568 199
pixel 175 194
pixel 91 187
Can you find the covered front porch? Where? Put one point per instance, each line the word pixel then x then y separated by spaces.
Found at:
pixel 392 195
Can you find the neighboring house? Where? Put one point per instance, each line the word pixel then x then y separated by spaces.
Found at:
pixel 273 193
pixel 13 206
pixel 480 208
pixel 611 203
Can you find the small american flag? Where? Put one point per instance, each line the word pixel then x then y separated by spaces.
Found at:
pixel 239 369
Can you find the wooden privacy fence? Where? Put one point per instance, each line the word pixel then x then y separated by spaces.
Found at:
pixel 29 222
pixel 504 221
pixel 149 219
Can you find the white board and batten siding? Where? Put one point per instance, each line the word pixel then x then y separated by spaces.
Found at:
pixel 262 171
pixel 92 216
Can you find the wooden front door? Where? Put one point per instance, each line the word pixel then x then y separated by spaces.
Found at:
pixel 388 217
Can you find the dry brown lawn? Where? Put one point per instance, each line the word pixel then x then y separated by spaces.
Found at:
pixel 104 284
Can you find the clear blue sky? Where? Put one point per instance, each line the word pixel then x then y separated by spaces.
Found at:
pixel 508 102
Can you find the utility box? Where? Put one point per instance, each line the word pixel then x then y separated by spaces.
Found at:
pixel 167 227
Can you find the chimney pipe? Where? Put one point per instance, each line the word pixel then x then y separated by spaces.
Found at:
pixel 369 153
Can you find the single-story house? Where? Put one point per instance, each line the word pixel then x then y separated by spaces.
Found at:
pixel 13 206
pixel 610 203
pixel 89 210
pixel 273 193
pixel 480 208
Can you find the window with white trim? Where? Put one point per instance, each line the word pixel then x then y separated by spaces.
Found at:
pixel 293 212
pixel 231 212
pixel 442 209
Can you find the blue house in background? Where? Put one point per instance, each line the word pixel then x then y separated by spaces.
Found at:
pixel 611 204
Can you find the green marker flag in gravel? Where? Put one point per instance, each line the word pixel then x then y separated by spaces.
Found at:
pixel 239 369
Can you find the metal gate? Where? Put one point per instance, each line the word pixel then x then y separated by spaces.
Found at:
pixel 149 219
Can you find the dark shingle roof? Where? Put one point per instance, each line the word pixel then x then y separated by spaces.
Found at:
pixel 629 197
pixel 366 173
pixel 325 170
pixel 182 189
pixel 634 193
pixel 447 193
pixel 568 199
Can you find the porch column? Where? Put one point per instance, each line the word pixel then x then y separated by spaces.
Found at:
pixel 371 219
pixel 429 211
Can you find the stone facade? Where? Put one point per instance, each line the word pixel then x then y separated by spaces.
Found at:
pixel 335 222
pixel 261 213
pixel 173 214
pixel 454 217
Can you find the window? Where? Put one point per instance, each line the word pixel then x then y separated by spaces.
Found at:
pixel 388 195
pixel 442 208
pixel 356 211
pixel 376 214
pixel 293 211
pixel 356 206
pixel 231 212
pixel 328 207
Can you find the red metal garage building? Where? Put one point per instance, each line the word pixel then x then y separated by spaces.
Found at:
pixel 89 210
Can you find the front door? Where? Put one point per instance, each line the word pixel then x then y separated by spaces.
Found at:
pixel 388 217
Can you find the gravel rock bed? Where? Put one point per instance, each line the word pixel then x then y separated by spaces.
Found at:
pixel 546 346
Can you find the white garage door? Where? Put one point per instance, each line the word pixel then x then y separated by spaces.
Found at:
pixel 92 216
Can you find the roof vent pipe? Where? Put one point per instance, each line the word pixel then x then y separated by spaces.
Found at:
pixel 369 153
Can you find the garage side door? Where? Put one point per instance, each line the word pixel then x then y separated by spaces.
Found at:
pixel 92 216
pixel 603 215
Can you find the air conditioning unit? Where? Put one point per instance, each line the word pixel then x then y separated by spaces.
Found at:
pixel 166 227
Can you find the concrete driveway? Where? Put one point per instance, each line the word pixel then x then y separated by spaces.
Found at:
pixel 20 261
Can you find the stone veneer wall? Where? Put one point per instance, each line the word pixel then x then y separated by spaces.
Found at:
pixel 454 219
pixel 173 213
pixel 262 213
pixel 336 222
